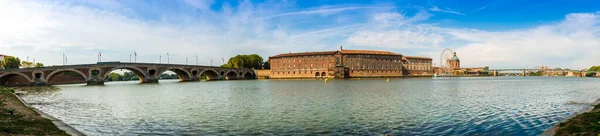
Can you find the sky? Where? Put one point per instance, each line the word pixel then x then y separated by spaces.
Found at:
pixel 498 34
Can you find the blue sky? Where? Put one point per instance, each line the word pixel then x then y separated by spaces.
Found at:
pixel 499 34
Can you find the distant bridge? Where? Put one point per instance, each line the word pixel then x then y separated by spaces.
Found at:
pixel 547 72
pixel 94 74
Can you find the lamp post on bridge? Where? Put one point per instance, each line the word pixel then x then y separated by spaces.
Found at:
pixel 196 59
pixel 159 59
pixel 134 57
pixel 186 60
pixel 63 60
pixel 167 58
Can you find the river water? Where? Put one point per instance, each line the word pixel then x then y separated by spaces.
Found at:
pixel 408 106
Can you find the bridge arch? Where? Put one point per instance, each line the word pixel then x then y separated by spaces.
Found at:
pixel 138 72
pixel 210 74
pixel 183 74
pixel 5 77
pixel 55 72
pixel 231 75
pixel 248 75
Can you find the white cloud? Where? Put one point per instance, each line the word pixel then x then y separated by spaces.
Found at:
pixel 44 30
pixel 436 9
pixel 200 4
pixel 327 10
pixel 412 36
pixel 572 43
pixel 395 30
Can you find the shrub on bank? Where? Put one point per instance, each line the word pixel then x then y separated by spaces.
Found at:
pixel 587 124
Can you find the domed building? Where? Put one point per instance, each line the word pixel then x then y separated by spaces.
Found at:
pixel 454 62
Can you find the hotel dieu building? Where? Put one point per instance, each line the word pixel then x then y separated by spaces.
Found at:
pixel 348 64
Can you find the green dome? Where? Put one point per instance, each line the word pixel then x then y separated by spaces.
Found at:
pixel 454 58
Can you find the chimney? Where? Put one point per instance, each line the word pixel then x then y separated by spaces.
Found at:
pixel 341 48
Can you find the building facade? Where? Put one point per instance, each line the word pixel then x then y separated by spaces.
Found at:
pixel 454 62
pixel 345 64
pixel 417 66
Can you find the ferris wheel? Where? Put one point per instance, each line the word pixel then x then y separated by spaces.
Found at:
pixel 444 57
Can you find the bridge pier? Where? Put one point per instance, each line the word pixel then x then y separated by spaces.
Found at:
pixel 38 82
pixel 95 81
pixel 523 72
pixel 149 80
pixel 495 73
pixel 583 73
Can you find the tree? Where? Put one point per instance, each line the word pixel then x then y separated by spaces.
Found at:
pixel 114 77
pixel 486 68
pixel 594 68
pixel 11 62
pixel 244 61
pixel 267 65
pixel 130 76
pixel 37 65
pixel 27 64
pixel 169 76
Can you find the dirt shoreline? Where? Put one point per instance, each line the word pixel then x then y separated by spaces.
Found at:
pixel 59 124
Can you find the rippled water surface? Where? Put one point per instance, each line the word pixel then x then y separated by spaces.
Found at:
pixel 410 106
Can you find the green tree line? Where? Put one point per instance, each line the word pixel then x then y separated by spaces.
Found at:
pixel 246 61
pixel 14 62
pixel 127 76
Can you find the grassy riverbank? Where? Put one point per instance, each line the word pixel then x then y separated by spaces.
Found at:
pixel 18 119
pixel 586 124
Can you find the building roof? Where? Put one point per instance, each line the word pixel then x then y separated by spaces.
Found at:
pixel 303 54
pixel 343 51
pixel 370 52
pixel 454 58
pixel 415 57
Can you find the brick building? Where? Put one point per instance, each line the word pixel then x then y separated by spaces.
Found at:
pixel 417 66
pixel 345 64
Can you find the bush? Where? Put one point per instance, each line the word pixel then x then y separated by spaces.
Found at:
pixel 12 90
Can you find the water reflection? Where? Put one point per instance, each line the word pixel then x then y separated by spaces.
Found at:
pixel 413 106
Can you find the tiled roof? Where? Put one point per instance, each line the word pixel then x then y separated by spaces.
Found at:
pixel 369 52
pixel 366 52
pixel 416 57
pixel 303 54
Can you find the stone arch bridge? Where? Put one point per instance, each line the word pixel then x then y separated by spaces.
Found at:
pixel 94 74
